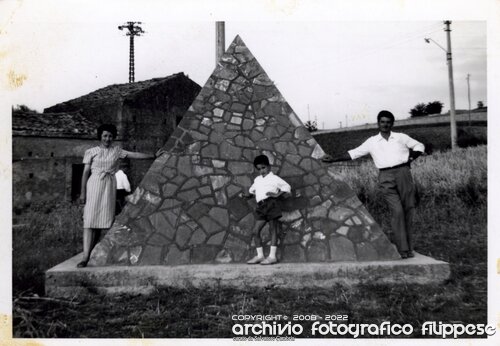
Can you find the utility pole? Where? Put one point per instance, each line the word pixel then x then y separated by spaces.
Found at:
pixel 468 93
pixel 346 121
pixel 453 122
pixel 133 30
pixel 220 41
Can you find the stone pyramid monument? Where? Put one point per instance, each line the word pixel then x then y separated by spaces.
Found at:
pixel 187 209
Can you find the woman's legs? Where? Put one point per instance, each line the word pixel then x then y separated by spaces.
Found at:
pixel 90 239
pixel 88 236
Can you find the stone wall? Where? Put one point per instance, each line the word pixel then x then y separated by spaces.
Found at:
pixel 187 209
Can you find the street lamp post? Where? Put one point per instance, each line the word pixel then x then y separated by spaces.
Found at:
pixel 453 122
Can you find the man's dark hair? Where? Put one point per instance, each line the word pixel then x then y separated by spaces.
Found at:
pixel 385 114
pixel 261 160
pixel 106 127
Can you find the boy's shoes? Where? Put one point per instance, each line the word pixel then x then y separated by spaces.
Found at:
pixel 255 260
pixel 269 260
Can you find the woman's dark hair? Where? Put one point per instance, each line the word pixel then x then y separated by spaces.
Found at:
pixel 385 114
pixel 261 160
pixel 106 127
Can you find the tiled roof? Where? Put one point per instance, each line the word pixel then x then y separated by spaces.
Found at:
pixel 115 92
pixel 52 125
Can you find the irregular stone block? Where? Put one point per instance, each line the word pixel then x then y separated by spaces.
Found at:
pixel 240 167
pixel 204 253
pixel 220 215
pixel 237 248
pixel 198 237
pixel 160 224
pixel 135 253
pixel 224 256
pixel 151 255
pixel 170 203
pixel 176 257
pixel 292 253
pixel 216 239
pixel 182 236
pixel 355 234
pixel 218 181
pixel 220 197
pixel 228 151
pixel 317 251
pixel 366 252
pixel 340 213
pixel 341 249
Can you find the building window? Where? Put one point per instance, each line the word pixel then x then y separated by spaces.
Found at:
pixel 51 154
pixel 31 175
pixel 30 154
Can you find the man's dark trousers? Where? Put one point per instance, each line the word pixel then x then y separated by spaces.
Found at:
pixel 399 192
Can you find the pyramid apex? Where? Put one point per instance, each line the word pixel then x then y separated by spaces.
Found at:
pixel 238 41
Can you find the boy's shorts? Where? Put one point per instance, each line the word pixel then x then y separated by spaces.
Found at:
pixel 268 209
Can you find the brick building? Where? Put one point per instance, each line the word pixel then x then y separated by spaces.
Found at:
pixel 47 152
pixel 48 148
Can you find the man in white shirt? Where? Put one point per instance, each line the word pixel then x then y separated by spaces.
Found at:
pixel 392 154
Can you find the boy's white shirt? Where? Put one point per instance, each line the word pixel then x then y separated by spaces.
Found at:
pixel 270 183
pixel 122 182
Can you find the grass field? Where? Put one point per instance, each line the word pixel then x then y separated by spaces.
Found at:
pixel 450 225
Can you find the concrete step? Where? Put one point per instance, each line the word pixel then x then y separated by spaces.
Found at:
pixel 65 280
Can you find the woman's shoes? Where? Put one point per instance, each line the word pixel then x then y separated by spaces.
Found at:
pixel 82 264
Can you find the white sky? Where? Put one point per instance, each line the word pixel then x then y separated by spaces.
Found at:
pixel 343 70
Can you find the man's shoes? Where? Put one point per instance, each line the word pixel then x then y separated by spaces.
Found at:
pixel 82 264
pixel 269 260
pixel 255 260
pixel 404 255
pixel 410 254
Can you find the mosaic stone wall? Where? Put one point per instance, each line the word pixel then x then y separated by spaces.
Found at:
pixel 187 209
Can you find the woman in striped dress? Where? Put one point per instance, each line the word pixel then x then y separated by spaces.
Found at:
pixel 98 190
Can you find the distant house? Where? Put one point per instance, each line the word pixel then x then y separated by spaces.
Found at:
pixel 145 113
pixel 48 148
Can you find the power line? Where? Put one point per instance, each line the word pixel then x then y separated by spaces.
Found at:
pixel 133 30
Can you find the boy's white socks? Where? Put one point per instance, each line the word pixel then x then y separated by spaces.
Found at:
pixel 260 252
pixel 272 252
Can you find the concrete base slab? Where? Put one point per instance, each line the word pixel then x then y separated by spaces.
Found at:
pixel 65 280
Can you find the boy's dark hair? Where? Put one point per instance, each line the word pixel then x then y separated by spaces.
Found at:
pixel 106 127
pixel 385 114
pixel 261 160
